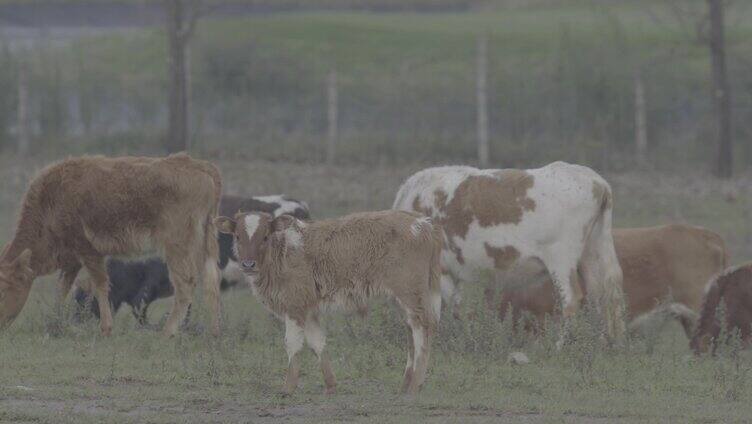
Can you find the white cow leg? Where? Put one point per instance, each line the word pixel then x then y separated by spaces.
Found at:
pixel 294 337
pixel 409 370
pixel 421 346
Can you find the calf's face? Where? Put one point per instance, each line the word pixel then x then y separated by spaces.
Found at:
pixel 15 283
pixel 253 234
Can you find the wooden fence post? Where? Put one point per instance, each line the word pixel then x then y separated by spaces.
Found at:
pixel 481 91
pixel 23 106
pixel 641 131
pixel 332 111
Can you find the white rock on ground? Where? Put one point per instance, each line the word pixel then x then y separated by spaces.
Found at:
pixel 518 358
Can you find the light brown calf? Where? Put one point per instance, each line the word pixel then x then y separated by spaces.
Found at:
pixel 672 261
pixel 81 210
pixel 296 269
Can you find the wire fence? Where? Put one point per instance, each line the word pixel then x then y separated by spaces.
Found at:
pixel 572 99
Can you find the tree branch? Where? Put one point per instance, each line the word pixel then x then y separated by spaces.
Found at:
pixel 197 10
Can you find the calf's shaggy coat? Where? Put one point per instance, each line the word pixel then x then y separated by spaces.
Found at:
pixel 81 210
pixel 300 268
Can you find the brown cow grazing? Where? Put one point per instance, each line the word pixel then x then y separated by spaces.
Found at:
pixel 81 210
pixel 301 268
pixel 671 261
pixel 734 287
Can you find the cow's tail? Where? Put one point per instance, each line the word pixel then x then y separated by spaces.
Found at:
pixel 434 275
pixel 718 246
pixel 399 199
pixel 600 268
pixel 430 235
pixel 211 273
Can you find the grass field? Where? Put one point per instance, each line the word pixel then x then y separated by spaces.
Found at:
pixel 54 371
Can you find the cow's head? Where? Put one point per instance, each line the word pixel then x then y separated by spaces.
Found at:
pixel 16 277
pixel 705 338
pixel 701 343
pixel 255 234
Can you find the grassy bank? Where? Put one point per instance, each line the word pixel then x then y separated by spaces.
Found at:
pixel 60 372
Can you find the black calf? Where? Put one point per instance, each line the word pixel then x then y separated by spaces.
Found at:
pixel 136 283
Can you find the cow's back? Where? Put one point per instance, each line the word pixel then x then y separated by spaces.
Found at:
pixel 274 205
pixel 118 198
pixel 494 218
pixel 363 244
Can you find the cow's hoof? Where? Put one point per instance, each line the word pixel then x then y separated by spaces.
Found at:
pixel 286 393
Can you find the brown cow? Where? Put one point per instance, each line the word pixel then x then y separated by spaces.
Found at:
pixel 734 286
pixel 81 210
pixel 298 269
pixel 672 261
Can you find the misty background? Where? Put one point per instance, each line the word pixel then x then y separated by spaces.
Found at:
pixel 610 84
pixel 337 101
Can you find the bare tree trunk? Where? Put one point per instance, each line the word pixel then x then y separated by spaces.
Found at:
pixel 176 131
pixel 481 91
pixel 641 132
pixel 332 111
pixel 181 21
pixel 721 93
pixel 23 108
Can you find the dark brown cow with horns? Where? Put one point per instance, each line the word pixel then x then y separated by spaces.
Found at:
pixel 734 288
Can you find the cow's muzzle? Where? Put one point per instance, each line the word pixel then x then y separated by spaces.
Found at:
pixel 249 266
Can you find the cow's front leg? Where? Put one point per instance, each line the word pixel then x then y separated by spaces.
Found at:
pixel 101 284
pixel 65 282
pixel 294 337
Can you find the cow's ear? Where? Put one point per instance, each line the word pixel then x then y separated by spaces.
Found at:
pixel 283 222
pixel 225 225
pixel 22 264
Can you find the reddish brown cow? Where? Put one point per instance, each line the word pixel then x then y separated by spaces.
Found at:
pixel 81 210
pixel 734 287
pixel 672 261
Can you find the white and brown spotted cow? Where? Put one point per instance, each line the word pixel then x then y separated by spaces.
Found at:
pixel 516 225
